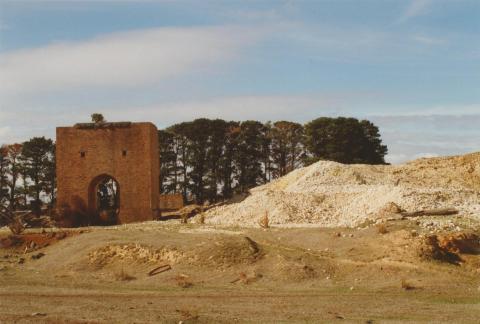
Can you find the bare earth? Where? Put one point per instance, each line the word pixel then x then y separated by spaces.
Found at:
pixel 218 275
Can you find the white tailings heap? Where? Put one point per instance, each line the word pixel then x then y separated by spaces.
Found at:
pixel 332 194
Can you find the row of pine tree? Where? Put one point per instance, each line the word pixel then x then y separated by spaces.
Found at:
pixel 27 173
pixel 211 160
pixel 208 160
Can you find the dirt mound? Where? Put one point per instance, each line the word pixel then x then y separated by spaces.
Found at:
pixel 227 252
pixel 33 241
pixel 294 269
pixel 448 247
pixel 468 243
pixel 133 253
pixel 331 194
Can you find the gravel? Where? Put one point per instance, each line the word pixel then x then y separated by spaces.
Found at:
pixel 331 194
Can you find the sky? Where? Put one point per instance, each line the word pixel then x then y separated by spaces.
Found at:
pixel 410 66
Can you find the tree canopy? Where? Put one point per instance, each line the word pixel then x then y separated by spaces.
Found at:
pixel 213 159
pixel 344 140
pixel 97 118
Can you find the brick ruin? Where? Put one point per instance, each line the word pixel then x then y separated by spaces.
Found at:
pixel 94 158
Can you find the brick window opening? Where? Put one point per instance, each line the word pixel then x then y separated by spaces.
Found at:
pixel 82 154
pixel 124 152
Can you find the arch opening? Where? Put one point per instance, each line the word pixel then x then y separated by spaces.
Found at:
pixel 104 200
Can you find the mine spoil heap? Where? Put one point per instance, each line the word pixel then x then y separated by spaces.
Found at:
pixel 331 194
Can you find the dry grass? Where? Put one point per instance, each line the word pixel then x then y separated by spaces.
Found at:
pixel 245 279
pixel 122 275
pixel 201 219
pixel 382 229
pixel 183 281
pixel 406 285
pixel 127 253
pixel 264 222
pixel 188 315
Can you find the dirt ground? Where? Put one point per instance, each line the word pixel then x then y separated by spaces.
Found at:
pixel 225 275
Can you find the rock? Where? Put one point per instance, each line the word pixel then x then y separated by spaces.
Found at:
pixel 37 256
pixel 391 208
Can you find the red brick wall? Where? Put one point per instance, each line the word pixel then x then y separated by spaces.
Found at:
pixel 170 202
pixel 137 173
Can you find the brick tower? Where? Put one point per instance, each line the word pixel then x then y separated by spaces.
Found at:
pixel 87 154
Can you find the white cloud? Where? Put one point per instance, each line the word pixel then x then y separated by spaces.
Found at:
pixel 427 40
pixel 4 132
pixel 40 119
pixel 123 59
pixel 413 136
pixel 262 108
pixel 415 8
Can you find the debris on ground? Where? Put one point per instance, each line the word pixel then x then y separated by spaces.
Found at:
pixel 189 211
pixel 37 256
pixel 39 314
pixel 432 212
pixel 448 247
pixel 160 269
pixel 468 243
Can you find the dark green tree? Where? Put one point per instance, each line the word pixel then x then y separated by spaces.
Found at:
pixel 181 147
pixel 168 162
pixel 287 147
pixel 216 147
pixel 97 118
pixel 198 142
pixel 266 143
pixel 3 174
pixel 14 153
pixel 345 140
pixel 373 150
pixel 249 155
pixel 39 153
pixel 227 160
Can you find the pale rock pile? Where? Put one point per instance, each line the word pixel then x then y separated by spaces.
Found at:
pixel 331 194
pixel 133 253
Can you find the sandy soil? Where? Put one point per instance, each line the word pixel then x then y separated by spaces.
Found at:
pixel 218 275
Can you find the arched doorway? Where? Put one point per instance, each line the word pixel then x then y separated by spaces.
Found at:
pixel 104 200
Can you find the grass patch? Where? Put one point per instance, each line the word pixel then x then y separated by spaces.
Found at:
pixel 122 275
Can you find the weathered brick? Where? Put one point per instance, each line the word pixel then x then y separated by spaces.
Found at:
pixel 127 152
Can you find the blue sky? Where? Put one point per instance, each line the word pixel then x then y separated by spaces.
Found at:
pixel 411 66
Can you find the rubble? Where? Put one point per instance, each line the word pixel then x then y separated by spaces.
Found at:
pixel 331 194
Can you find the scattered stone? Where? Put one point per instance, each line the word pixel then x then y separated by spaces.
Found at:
pixel 38 256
